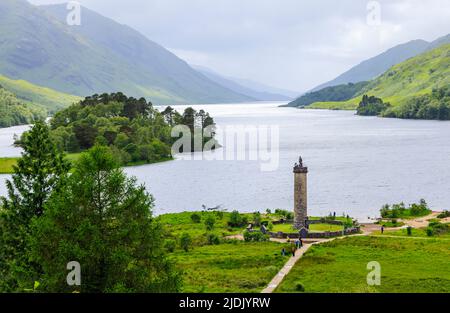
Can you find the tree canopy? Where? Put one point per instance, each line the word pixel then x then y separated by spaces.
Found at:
pixel 133 129
pixel 103 220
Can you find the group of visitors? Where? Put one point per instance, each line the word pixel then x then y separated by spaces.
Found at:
pixel 294 247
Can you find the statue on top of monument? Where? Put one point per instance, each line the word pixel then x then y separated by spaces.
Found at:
pixel 300 161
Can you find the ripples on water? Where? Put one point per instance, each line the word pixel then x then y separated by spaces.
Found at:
pixel 356 164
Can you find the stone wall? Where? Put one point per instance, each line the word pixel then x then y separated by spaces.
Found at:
pixel 348 231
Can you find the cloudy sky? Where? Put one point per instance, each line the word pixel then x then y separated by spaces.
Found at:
pixel 291 44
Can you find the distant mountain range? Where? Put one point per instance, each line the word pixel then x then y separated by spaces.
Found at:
pixel 99 56
pixel 379 64
pixel 249 88
pixel 415 77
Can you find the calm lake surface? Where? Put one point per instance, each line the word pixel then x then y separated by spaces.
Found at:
pixel 356 164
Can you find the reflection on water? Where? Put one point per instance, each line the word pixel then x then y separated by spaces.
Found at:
pixel 356 164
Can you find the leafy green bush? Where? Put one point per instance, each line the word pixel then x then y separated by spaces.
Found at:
pixel 212 239
pixel 436 228
pixel 196 218
pixel 170 245
pixel 185 241
pixel 237 220
pixel 400 211
pixel 256 236
pixel 444 214
pixel 210 222
pixel 257 219
pixel 299 287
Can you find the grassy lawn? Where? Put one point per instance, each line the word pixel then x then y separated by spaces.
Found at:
pixel 6 165
pixel 407 265
pixel 231 267
pixel 176 224
pixel 415 232
pixel 288 228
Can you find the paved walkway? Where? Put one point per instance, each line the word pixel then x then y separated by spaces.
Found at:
pixel 289 265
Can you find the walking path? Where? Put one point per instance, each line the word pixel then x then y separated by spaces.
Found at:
pixel 367 230
pixel 286 269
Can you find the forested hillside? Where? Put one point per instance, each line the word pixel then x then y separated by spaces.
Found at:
pixel 14 112
pixel 335 93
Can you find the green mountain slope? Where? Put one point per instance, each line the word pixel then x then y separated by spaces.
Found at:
pixel 99 56
pixel 14 112
pixel 333 93
pixel 36 95
pixel 415 77
pixel 373 67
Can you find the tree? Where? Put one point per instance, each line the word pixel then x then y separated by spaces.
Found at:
pixel 38 173
pixel 185 241
pixel 210 222
pixel 103 220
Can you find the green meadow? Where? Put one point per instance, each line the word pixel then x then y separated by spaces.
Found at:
pixel 230 267
pixel 340 266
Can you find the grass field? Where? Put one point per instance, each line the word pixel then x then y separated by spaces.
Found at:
pixel 415 232
pixel 233 267
pixel 288 228
pixel 6 164
pixel 176 224
pixel 407 265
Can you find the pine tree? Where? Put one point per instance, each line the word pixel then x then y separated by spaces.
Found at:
pixel 37 174
pixel 102 220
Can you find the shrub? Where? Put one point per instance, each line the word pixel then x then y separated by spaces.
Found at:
pixel 219 215
pixel 257 219
pixel 444 214
pixel 299 287
pixel 256 236
pixel 437 228
pixel 400 211
pixel 270 226
pixel 196 218
pixel 430 231
pixel 170 245
pixel 185 241
pixel 212 239
pixel 237 220
pixel 210 222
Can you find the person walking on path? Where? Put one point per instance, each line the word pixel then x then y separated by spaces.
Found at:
pixel 283 252
pixel 382 229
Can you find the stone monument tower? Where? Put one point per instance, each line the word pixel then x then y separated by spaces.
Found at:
pixel 300 195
